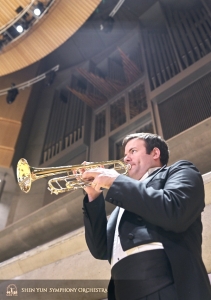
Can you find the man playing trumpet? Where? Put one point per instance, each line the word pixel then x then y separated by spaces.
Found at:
pixel 153 237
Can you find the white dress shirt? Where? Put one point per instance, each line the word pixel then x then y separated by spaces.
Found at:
pixel 118 253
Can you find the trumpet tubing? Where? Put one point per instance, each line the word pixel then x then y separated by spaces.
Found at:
pixel 69 182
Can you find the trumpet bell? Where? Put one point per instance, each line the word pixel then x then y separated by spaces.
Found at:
pixel 24 175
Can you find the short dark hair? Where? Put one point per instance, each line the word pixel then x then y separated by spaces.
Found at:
pixel 151 141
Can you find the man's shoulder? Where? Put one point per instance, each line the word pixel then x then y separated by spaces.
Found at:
pixel 182 164
pixel 178 165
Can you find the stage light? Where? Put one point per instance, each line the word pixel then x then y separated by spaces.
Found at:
pixel 19 28
pixel 37 12
pixel 19 9
pixel 50 76
pixel 39 9
pixel 12 94
pixel 107 25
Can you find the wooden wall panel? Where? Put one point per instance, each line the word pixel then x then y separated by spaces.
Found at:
pixel 8 137
pixel 15 110
pixel 6 155
pixel 11 115
pixel 9 132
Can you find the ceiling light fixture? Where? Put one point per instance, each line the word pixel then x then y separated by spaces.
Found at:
pixel 12 94
pixel 37 12
pixel 108 23
pixel 19 28
pixel 39 9
pixel 50 76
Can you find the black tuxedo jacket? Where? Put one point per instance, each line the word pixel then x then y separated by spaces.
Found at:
pixel 165 207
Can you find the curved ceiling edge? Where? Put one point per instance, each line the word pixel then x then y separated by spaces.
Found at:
pixel 47 35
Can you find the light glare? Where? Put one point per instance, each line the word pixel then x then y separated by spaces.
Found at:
pixel 37 11
pixel 19 28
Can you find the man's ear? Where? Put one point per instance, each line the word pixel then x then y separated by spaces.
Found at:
pixel 156 153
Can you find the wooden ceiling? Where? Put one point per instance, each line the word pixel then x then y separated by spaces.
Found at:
pixel 62 21
pixel 8 8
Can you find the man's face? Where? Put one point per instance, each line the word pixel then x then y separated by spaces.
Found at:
pixel 140 161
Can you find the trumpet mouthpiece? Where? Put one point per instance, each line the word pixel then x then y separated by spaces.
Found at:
pixel 128 167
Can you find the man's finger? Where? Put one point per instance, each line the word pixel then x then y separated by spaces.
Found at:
pixel 91 173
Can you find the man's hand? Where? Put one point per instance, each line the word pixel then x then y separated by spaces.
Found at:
pixel 101 178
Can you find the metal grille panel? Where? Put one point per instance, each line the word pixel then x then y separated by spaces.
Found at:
pixel 100 125
pixel 117 113
pixel 65 124
pixel 184 40
pixel 187 108
pixel 146 128
pixel 137 100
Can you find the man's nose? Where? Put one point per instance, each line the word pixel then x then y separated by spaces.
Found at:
pixel 127 158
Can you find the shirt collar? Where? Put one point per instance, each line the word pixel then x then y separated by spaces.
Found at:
pixel 149 172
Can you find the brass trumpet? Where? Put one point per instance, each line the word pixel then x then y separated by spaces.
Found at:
pixel 71 181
